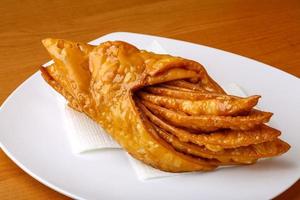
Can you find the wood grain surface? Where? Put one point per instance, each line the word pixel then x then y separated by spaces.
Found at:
pixel 268 31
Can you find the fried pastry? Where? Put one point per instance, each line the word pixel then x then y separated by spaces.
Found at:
pixel 210 123
pixel 200 87
pixel 219 140
pixel 165 111
pixel 213 106
pixel 240 155
pixel 182 93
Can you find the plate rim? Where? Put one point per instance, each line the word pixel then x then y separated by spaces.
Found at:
pixel 112 34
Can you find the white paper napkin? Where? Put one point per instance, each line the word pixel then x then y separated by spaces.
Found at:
pixel 86 135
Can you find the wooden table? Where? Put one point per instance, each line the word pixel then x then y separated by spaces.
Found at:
pixel 268 31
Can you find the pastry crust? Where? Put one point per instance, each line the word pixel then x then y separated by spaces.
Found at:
pixel 103 82
pixel 213 106
pixel 218 140
pixel 208 123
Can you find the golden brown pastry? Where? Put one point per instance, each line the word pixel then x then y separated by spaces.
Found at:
pixel 165 111
pixel 212 106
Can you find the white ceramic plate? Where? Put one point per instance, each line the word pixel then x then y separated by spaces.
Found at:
pixel 32 135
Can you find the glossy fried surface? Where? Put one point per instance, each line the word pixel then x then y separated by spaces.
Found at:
pixel 213 106
pixel 165 111
pixel 201 87
pixel 242 155
pixel 218 140
pixel 182 93
pixel 245 154
pixel 210 123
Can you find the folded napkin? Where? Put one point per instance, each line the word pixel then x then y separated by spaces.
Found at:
pixel 86 135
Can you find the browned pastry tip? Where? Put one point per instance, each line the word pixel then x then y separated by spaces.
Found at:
pixel 272 148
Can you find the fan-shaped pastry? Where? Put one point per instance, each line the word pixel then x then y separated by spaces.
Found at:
pixel 217 140
pixel 165 111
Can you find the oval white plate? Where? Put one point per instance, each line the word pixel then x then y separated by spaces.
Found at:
pixel 32 135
